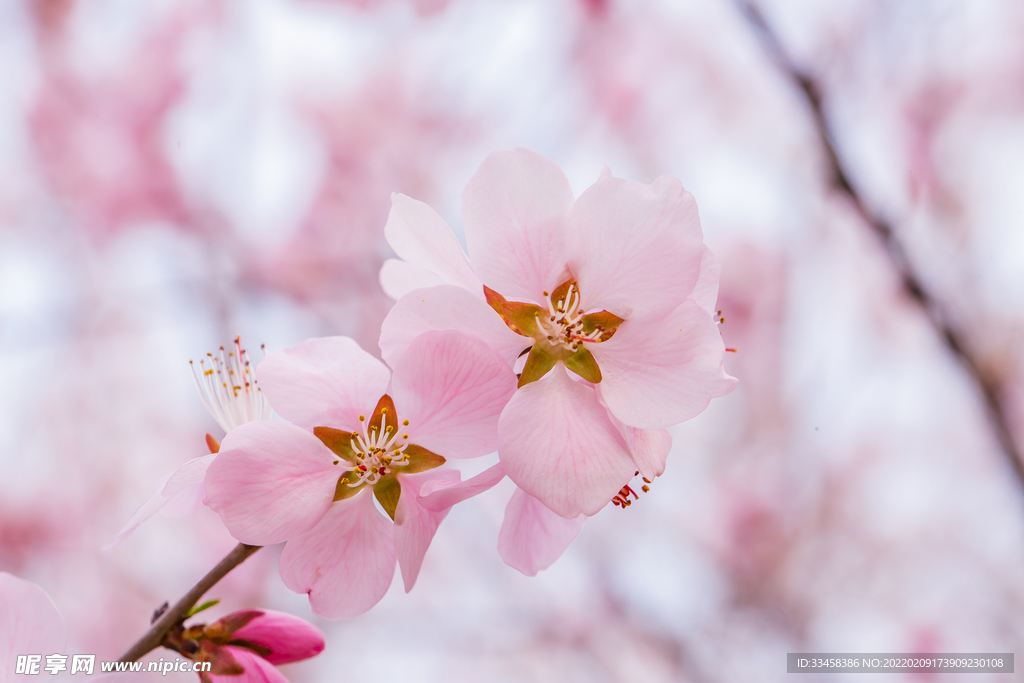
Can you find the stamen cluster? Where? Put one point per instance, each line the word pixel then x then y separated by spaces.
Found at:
pixel 563 326
pixel 228 388
pixel 377 450
pixel 622 500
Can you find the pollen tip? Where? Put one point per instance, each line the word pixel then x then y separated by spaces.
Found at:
pixel 405 423
pixel 362 418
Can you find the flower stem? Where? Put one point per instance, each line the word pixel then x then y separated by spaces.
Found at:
pixel 154 637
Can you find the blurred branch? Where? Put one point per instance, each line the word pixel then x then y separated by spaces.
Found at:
pixel 989 387
pixel 169 619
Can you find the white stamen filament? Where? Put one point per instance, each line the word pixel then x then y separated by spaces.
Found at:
pixel 564 324
pixel 228 388
pixel 377 452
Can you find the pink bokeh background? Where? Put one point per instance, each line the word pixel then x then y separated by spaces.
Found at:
pixel 175 173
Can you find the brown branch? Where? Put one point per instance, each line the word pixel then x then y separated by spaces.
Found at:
pixel 173 617
pixel 988 386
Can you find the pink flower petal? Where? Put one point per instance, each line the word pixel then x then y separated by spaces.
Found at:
pixel 289 638
pixel 452 388
pixel 663 371
pixel 421 237
pixel 515 209
pixel 398 278
pixel 29 624
pixel 532 537
pixel 183 485
pixel 323 382
pixel 346 562
pixel 257 669
pixel 649 447
pixel 442 494
pixel 635 249
pixel 446 308
pixel 705 292
pixel 271 482
pixel 415 525
pixel 557 444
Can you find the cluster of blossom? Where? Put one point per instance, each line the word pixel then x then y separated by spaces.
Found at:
pixel 570 337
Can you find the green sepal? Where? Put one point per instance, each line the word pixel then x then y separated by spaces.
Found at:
pixel 340 442
pixel 235 621
pixel 420 459
pixel 385 409
pixel 494 300
pixel 522 317
pixel 388 491
pixel 559 295
pixel 604 321
pixel 343 491
pixel 583 364
pixel 222 663
pixel 538 363
pixel 199 608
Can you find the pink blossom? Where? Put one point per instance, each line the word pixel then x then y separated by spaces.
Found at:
pixel 228 388
pixel 29 624
pixel 314 483
pixel 612 295
pixel 245 646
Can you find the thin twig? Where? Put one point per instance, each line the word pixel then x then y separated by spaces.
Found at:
pixel 170 618
pixel 989 387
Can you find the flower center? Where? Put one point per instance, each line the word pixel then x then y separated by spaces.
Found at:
pixel 378 450
pixel 559 329
pixel 563 327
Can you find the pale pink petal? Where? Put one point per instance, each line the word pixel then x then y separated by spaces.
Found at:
pixel 557 444
pixel 452 388
pixel 257 669
pixel 446 308
pixel 532 537
pixel 442 494
pixel 126 677
pixel 515 209
pixel 29 624
pixel 705 292
pixel 323 382
pixel 346 562
pixel 289 638
pixel 180 488
pixel 271 482
pixel 605 173
pixel 398 278
pixel 415 525
pixel 635 249
pixel 421 237
pixel 649 447
pixel 663 371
